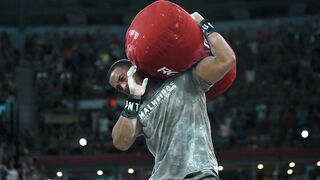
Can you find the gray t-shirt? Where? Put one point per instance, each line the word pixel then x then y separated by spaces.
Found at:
pixel 177 129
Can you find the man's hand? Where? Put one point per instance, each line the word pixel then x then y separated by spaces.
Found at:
pixel 204 24
pixel 136 89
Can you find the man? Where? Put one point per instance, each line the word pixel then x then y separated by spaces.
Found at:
pixel 173 116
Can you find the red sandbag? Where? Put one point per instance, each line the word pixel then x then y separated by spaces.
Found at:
pixel 223 84
pixel 164 40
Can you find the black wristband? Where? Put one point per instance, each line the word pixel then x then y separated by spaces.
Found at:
pixel 207 27
pixel 131 109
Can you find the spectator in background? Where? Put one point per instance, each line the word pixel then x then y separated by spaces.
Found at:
pixel 261 114
pixel 3 169
pixel 250 76
pixel 225 127
pixel 12 171
pixel 103 126
pixel 302 114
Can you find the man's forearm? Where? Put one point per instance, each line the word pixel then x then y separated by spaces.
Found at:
pixel 212 68
pixel 220 48
pixel 123 133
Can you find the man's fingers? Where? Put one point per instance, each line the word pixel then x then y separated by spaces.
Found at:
pixel 131 81
pixel 193 15
pixel 197 17
pixel 132 70
pixel 135 88
pixel 144 83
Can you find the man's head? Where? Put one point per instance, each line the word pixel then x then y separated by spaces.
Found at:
pixel 117 75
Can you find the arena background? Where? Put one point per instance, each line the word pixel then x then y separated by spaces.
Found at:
pixel 57 111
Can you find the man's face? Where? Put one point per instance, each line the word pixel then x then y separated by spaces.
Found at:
pixel 118 79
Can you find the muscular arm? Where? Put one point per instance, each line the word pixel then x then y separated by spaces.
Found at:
pixel 124 132
pixel 128 127
pixel 212 68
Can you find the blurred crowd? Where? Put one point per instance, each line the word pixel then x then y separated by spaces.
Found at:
pixel 276 92
pixel 16 161
pixel 16 157
pixel 71 66
pixel 9 57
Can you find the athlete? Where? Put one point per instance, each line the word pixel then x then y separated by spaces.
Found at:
pixel 172 115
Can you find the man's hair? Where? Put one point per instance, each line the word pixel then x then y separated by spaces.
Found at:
pixel 119 63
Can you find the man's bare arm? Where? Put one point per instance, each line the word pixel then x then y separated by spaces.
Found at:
pixel 124 132
pixel 212 68
pixel 128 127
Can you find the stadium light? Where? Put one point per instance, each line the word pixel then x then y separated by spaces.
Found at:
pixel 304 134
pixel 290 171
pixel 220 168
pixel 292 164
pixel 59 174
pixel 99 172
pixel 83 142
pixel 130 171
pixel 318 163
pixel 260 166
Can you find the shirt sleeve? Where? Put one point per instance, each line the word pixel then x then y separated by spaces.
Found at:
pixel 199 82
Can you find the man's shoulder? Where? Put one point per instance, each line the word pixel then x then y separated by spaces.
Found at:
pixel 182 75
